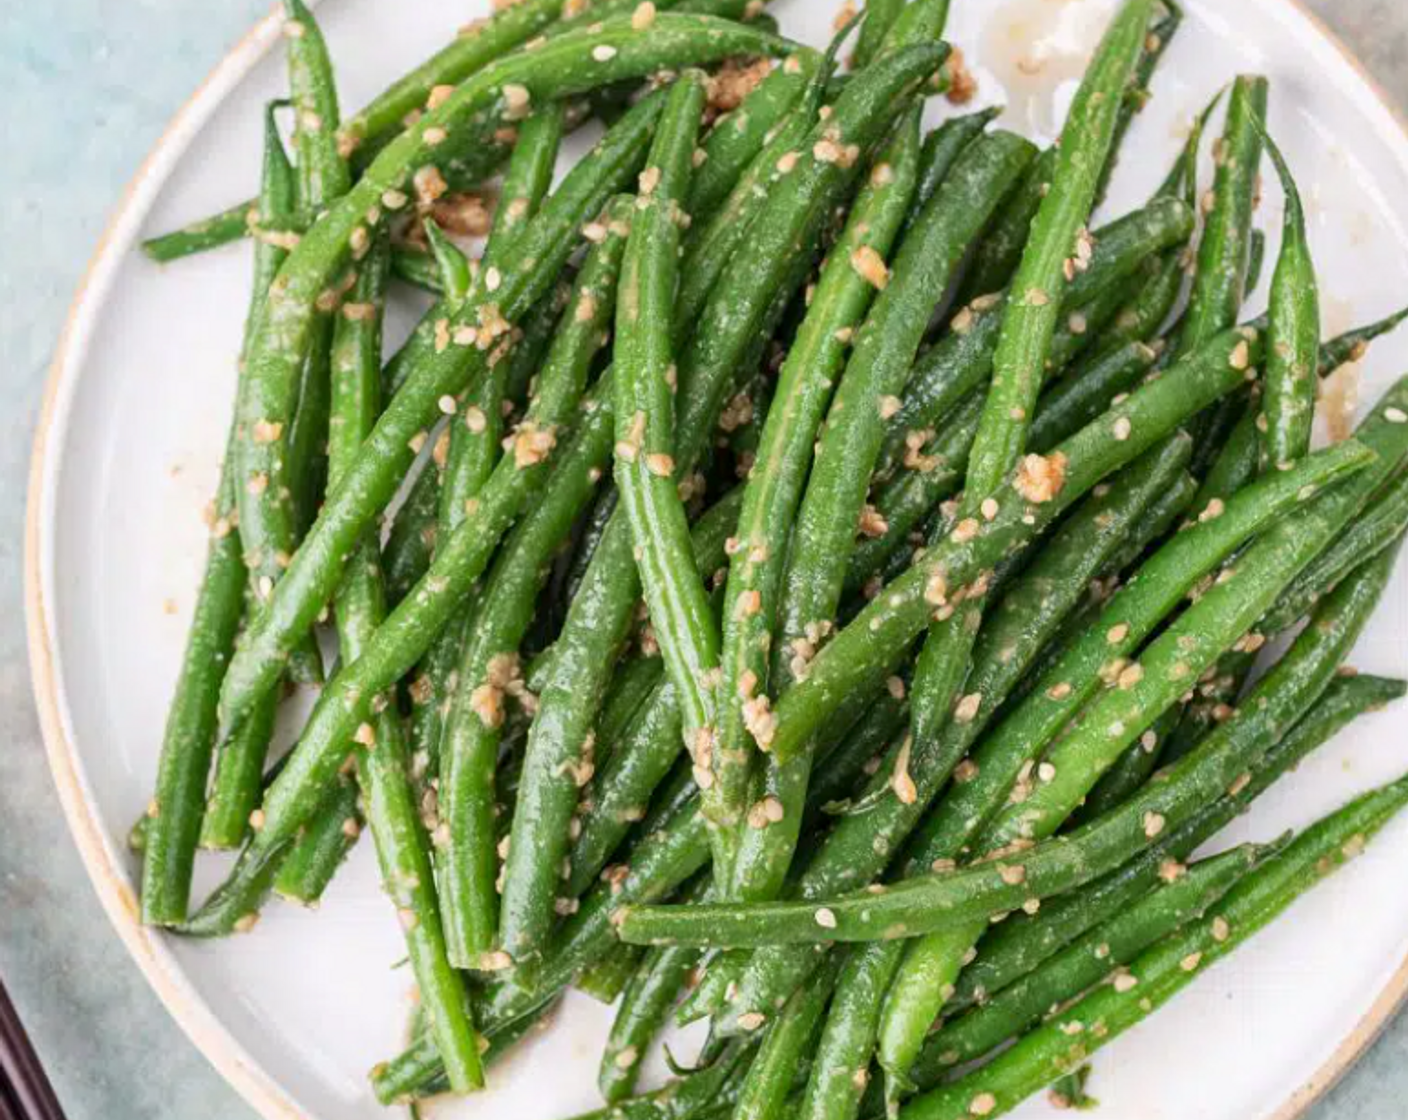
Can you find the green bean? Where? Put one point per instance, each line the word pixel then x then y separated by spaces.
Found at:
pixel 708 1091
pixel 1164 969
pixel 884 352
pixel 647 448
pixel 507 492
pixel 1189 646
pixel 737 138
pixel 1165 20
pixel 475 436
pixel 1219 283
pixel 632 689
pixel 1256 259
pixel 1019 945
pixel 412 626
pixel 1065 687
pixel 607 978
pixel 645 1005
pixel 411 543
pixel 418 268
pixel 1057 250
pixel 324 845
pixel 323 174
pixel 1379 526
pixel 729 320
pixel 871 644
pixel 880 16
pixel 405 633
pixel 842 1065
pixel 1130 771
pixel 206 233
pixel 417 1072
pixel 963 360
pixel 866 649
pixel 1292 355
pixel 711 245
pixel 488 668
pixel 940 151
pixel 851 440
pixel 1288 692
pixel 1030 612
pixel 776 481
pixel 940 901
pixel 1353 345
pixel 862 843
pixel 784 1048
pixel 798 922
pixel 840 772
pixel 939 466
pixel 186 751
pixel 562 66
pixel 282 414
pixel 1237 461
pixel 479 45
pixel 185 762
pixel 1099 955
pixel 1000 251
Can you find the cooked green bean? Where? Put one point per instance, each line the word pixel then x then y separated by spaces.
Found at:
pixel 185 762
pixel 1293 343
pixel 575 61
pixel 1058 248
pixel 1219 283
pixel 785 1047
pixel 1100 954
pixel 1163 970
pixel 776 481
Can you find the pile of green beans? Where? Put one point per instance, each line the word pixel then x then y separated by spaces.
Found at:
pixel 820 578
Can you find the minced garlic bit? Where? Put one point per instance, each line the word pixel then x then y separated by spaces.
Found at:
pixel 760 721
pixel 966 710
pixel 900 779
pixel 872 522
pixel 870 266
pixel 1040 478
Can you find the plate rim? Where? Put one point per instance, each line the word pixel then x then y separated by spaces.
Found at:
pixel 210 1036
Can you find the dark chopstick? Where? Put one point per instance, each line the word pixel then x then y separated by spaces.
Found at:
pixel 25 1091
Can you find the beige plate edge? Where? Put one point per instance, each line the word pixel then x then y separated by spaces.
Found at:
pixel 110 880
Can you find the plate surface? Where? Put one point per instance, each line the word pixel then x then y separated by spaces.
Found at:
pixel 127 455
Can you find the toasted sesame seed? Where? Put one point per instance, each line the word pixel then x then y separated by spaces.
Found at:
pixel 984 1104
pixel 643 16
pixel 1153 824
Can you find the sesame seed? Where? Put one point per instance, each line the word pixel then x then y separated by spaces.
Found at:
pixel 1153 824
pixel 603 53
pixel 1395 415
pixel 1122 428
pixel 643 16
pixel 1191 962
pixel 1221 931
pixel 984 1104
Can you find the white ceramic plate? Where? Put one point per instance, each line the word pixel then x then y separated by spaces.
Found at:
pixel 127 454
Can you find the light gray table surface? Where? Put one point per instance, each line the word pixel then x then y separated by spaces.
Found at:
pixel 88 86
